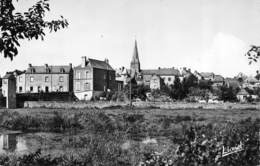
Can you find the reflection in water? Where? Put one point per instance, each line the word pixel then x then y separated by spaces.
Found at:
pixel 10 143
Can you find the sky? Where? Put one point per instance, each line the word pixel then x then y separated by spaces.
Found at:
pixel 204 35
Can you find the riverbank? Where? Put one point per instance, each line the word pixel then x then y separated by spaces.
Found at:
pixel 123 135
pixel 142 105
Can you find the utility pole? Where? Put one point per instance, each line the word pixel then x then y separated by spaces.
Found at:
pixel 130 89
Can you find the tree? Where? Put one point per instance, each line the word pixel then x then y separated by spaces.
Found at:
pixel 253 53
pixel 177 89
pixel 228 93
pixel 15 26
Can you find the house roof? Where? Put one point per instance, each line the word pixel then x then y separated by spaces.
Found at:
pixel 52 69
pixel 218 78
pixel 232 82
pixel 97 64
pixel 161 72
pixel 242 92
pixel 207 74
pixel 251 80
pixel 8 76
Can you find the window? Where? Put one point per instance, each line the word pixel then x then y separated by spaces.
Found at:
pixel 62 70
pixel 39 88
pixel 61 78
pixel 31 79
pixel 46 89
pixel 78 86
pixel 4 81
pixel 20 79
pixel 61 88
pixel 87 74
pixel 78 74
pixel 20 89
pixel 31 88
pixel 105 76
pixel 110 77
pixel 46 79
pixel 87 86
pixel 169 79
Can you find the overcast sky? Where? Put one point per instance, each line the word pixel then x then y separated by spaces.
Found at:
pixel 204 35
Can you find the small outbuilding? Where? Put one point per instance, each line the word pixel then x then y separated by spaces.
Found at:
pixel 242 95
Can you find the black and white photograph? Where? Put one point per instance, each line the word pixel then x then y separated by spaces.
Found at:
pixel 129 82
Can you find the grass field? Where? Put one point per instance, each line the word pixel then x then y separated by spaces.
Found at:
pixel 118 134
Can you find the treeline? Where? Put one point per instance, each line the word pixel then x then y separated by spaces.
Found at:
pixel 190 89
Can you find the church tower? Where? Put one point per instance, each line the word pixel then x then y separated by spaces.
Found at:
pixel 135 63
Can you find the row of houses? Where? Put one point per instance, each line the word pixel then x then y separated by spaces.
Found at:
pixel 155 78
pixel 89 79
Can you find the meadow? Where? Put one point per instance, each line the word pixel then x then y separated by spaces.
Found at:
pixel 138 136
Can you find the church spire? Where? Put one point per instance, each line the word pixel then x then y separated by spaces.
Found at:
pixel 135 63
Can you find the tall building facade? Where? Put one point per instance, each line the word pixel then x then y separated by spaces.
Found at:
pixel 92 78
pixel 45 79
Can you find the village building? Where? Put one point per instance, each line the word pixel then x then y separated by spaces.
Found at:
pixel 92 78
pixel 122 74
pixel 218 81
pixel 232 83
pixel 168 75
pixel 242 95
pixel 207 75
pixel 251 83
pixel 144 76
pixel 37 79
pixel 156 82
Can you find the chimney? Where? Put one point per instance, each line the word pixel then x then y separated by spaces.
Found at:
pixel 159 68
pixel 70 65
pixel 46 65
pixel 83 61
pixel 106 60
pixel 30 65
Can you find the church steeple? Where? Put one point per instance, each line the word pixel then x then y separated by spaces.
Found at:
pixel 135 63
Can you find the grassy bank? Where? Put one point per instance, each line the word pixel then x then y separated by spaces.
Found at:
pixel 129 137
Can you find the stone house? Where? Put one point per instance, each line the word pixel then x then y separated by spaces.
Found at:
pixel 232 82
pixel 242 95
pixel 122 74
pixel 218 81
pixel 168 75
pixel 207 75
pixel 156 82
pixel 92 78
pixel 45 79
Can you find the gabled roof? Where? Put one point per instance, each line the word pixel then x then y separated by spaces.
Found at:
pixel 231 82
pixel 161 72
pixel 218 78
pixel 8 76
pixel 251 80
pixel 96 64
pixel 207 74
pixel 52 69
pixel 243 92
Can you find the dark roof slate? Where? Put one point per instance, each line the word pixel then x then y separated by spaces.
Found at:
pixel 52 69
pixel 97 64
pixel 160 72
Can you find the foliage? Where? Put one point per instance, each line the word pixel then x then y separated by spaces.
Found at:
pixel 138 91
pixel 28 25
pixel 177 92
pixel 55 123
pixel 228 93
pixel 197 92
pixel 253 54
